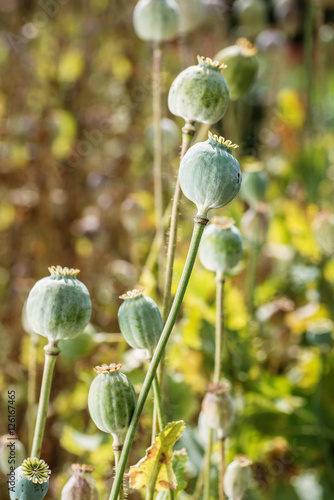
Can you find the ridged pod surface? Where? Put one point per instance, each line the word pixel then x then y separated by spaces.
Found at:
pixel 111 401
pixel 81 486
pixel 156 20
pixel 31 480
pixel 59 306
pixel 210 175
pixel 140 321
pixel 218 408
pixel 242 67
pixel 237 477
pixel 221 245
pixel 200 93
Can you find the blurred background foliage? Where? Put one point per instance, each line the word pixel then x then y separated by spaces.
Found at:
pixel 76 190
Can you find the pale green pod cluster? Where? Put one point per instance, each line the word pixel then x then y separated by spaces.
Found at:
pixel 200 93
pixel 218 408
pixel 12 453
pixel 31 480
pixel 242 66
pixel 192 14
pixel 254 184
pixel 81 486
pixel 59 306
pixel 237 477
pixel 221 245
pixel 140 321
pixel 111 401
pixel 210 175
pixel 156 20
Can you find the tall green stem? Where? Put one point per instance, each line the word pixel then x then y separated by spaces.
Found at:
pixel 158 409
pixel 219 326
pixel 199 224
pixel 207 469
pixel 51 353
pixel 157 162
pixel 32 386
pixel 117 454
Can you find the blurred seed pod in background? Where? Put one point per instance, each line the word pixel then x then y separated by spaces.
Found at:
pixel 191 15
pixel 237 477
pixel 254 184
pixel 156 20
pixel 218 408
pixel 171 136
pixel 254 224
pixel 12 449
pixel 81 486
pixel 251 16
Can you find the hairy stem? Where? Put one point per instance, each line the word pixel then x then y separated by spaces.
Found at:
pixel 199 224
pixel 51 353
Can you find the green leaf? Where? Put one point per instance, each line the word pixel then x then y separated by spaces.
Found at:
pixel 157 464
pixel 179 467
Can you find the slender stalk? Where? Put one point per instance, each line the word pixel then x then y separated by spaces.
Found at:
pixel 252 267
pixel 199 483
pixel 207 470
pixel 222 470
pixel 32 371
pixel 220 281
pixel 51 353
pixel 188 132
pixel 158 409
pixel 199 224
pixel 157 162
pixel 117 454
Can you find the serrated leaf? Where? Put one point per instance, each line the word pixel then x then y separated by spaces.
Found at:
pixel 158 461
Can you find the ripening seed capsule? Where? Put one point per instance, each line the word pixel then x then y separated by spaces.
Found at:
pixel 156 20
pixel 192 15
pixel 252 16
pixel 81 486
pixel 10 455
pixel 31 480
pixel 254 184
pixel 210 176
pixel 111 401
pixel 140 321
pixel 242 67
pixel 59 306
pixel 200 93
pixel 170 136
pixel 218 408
pixel 221 245
pixel 237 477
pixel 255 224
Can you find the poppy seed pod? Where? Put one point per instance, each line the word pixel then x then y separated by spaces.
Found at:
pixel 192 14
pixel 81 486
pixel 59 306
pixel 210 176
pixel 200 93
pixel 111 401
pixel 12 453
pixel 242 66
pixel 254 184
pixel 140 321
pixel 31 480
pixel 237 477
pixel 156 20
pixel 221 245
pixel 218 408
pixel 255 224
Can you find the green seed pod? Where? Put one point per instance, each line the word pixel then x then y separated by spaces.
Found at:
pixel 209 175
pixel 254 184
pixel 323 229
pixel 242 67
pixel 171 136
pixel 111 401
pixel 140 321
pixel 59 306
pixel 221 245
pixel 200 93
pixel 31 480
pixel 81 486
pixel 218 408
pixel 237 477
pixel 251 15
pixel 156 20
pixel 12 453
pixel 192 15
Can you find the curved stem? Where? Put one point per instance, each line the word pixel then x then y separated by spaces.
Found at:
pixel 117 454
pixel 199 225
pixel 51 353
pixel 157 162
pixel 219 326
pixel 32 371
